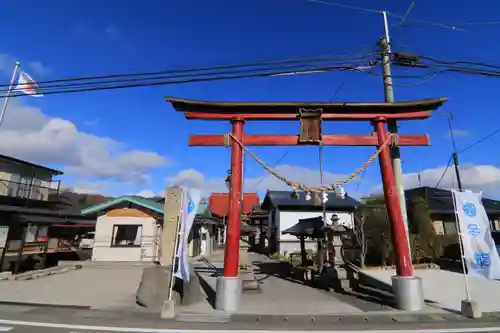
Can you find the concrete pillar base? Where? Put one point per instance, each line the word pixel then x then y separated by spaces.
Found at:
pixel 168 309
pixel 470 309
pixel 408 293
pixel 228 294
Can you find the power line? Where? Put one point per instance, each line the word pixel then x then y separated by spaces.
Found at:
pixel 360 180
pixel 476 23
pixel 236 71
pixel 400 17
pixel 480 140
pixel 413 60
pixel 192 80
pixel 424 81
pixel 408 11
pixel 344 81
pixel 465 62
pixel 334 4
pixel 274 166
pixel 444 172
pixel 199 69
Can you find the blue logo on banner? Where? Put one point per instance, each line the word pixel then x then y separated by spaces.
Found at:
pixel 473 229
pixel 470 209
pixel 483 259
pixel 190 206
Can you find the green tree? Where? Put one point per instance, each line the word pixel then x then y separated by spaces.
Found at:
pixel 377 230
pixel 419 222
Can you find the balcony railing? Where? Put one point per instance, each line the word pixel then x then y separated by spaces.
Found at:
pixel 30 189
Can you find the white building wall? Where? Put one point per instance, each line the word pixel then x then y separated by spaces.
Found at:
pixel 103 251
pixel 286 219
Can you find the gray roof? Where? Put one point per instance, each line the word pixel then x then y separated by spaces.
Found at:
pixel 284 200
pixel 11 159
pixel 440 201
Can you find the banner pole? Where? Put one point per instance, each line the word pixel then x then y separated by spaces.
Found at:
pixel 460 243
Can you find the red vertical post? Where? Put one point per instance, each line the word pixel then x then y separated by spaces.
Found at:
pixel 404 266
pixel 231 252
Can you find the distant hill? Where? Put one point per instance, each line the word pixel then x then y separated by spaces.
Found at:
pixel 81 200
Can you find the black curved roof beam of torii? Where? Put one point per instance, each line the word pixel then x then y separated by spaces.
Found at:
pixel 205 110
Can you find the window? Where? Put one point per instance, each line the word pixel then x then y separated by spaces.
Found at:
pixel 450 227
pixel 14 184
pixel 31 233
pixel 36 233
pixel 35 190
pixel 126 235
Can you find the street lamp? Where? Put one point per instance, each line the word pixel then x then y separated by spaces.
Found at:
pixel 228 180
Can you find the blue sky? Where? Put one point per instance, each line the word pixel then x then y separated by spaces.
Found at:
pixel 57 39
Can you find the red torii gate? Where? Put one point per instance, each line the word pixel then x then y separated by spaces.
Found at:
pixel 406 287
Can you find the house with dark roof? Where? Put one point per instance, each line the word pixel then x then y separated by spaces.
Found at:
pixel 34 222
pixel 442 210
pixel 285 210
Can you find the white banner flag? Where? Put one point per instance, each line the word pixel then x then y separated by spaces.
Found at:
pixel 189 206
pixel 480 254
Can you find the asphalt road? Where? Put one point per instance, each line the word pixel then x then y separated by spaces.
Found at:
pixel 19 319
pixel 46 327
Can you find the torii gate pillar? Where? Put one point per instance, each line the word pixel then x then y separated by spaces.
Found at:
pixel 229 286
pixel 406 288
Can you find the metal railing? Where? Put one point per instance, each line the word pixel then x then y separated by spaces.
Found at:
pixel 30 189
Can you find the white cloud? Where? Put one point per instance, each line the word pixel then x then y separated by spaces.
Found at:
pixel 194 178
pixel 29 134
pixel 484 178
pixel 85 187
pixel 146 193
pixel 38 67
pixel 7 63
pixel 93 122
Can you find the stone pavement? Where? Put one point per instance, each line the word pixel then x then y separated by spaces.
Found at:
pixel 283 296
pixel 89 287
pixel 279 296
pixel 447 289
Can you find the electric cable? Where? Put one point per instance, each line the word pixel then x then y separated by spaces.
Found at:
pixel 274 166
pixel 344 81
pixel 334 4
pixel 480 140
pixel 466 62
pixel 401 17
pixel 444 172
pixel 200 69
pixel 189 80
pixel 449 68
pixel 237 71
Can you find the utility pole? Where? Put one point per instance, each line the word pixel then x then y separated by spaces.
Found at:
pixel 455 153
pixel 392 125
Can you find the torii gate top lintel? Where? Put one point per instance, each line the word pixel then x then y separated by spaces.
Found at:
pixel 356 111
pixel 310 114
